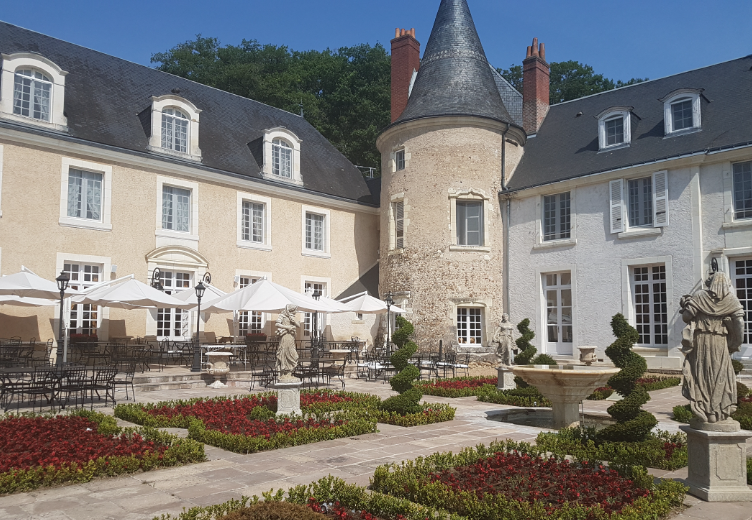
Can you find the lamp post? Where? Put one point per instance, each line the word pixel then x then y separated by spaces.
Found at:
pixel 315 322
pixel 389 302
pixel 156 279
pixel 196 365
pixel 62 284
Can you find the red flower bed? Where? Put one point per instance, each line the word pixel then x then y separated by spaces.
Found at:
pixel 321 397
pixel 336 510
pixel 456 387
pixel 527 479
pixel 459 384
pixel 215 408
pixel 27 443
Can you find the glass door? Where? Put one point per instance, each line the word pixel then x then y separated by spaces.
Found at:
pixel 557 290
pixel 174 323
pixel 742 277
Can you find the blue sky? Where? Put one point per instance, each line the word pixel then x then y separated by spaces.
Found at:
pixel 619 39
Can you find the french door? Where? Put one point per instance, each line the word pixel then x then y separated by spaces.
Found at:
pixel 249 322
pixel 557 291
pixel 84 318
pixel 174 323
pixel 310 288
pixel 741 273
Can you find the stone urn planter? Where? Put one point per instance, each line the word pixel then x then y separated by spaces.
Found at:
pixel 587 355
pixel 218 363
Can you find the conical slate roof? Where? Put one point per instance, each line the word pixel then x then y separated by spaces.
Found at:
pixel 454 76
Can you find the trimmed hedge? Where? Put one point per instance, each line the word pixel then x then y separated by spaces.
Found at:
pixel 666 382
pixel 528 397
pixel 466 386
pixel 738 366
pixel 431 413
pixel 404 481
pixel 743 414
pixel 179 451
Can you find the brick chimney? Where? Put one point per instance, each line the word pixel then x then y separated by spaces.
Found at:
pixel 535 87
pixel 405 60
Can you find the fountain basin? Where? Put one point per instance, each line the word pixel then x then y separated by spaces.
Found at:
pixel 565 388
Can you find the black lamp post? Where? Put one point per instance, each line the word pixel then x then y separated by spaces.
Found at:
pixel 315 321
pixel 389 302
pixel 196 365
pixel 62 284
pixel 156 279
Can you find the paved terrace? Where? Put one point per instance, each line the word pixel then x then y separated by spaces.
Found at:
pixel 228 475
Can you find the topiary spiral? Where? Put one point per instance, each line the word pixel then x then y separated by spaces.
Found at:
pixel 409 399
pixel 633 424
pixel 527 351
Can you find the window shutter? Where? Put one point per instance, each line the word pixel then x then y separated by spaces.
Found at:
pixel 399 224
pixel 616 192
pixel 660 199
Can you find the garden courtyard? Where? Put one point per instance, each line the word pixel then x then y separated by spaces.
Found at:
pixel 226 475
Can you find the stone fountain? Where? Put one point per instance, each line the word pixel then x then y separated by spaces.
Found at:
pixel 565 387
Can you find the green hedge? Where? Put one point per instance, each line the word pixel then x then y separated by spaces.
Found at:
pixel 600 395
pixel 428 388
pixel 327 490
pixel 525 397
pixel 404 481
pixel 743 414
pixel 666 382
pixel 432 413
pixel 179 451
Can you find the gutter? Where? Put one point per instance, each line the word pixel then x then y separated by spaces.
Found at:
pixel 505 221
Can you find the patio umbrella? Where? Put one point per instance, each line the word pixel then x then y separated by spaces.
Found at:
pixel 131 294
pixel 266 296
pixel 21 301
pixel 366 304
pixel 28 285
pixel 211 295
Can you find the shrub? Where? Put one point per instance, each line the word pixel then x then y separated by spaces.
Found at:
pixel 658 383
pixel 527 350
pixel 743 414
pixel 738 366
pixel 525 397
pixel 633 423
pixel 741 390
pixel 543 359
pixel 749 471
pixel 275 511
pixel 429 414
pixel 456 386
pixel 601 393
pixel 408 402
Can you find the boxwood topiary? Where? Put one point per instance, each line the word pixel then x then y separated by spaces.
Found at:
pixel 527 350
pixel 633 423
pixel 409 399
pixel 543 359
pixel 738 366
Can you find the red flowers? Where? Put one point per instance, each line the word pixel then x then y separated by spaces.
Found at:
pixel 459 384
pixel 27 443
pixel 336 510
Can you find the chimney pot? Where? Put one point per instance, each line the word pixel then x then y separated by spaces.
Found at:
pixel 542 52
pixel 529 52
pixel 535 87
pixel 396 32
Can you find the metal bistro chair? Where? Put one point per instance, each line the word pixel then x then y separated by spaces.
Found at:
pixel 102 380
pixel 44 384
pixel 125 377
pixel 73 384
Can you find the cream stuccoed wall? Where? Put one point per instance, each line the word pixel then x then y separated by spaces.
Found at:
pixel 445 158
pixel 599 261
pixel 31 233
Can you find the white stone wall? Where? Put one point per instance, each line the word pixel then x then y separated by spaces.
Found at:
pixel 699 201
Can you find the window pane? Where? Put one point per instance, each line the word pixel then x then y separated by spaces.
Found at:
pixel 84 194
pixel 400 160
pixel 176 209
pixel 743 190
pixel 614 131
pixel 469 223
pixel 314 238
pixel 681 113
pixel 556 217
pixel 253 222
pixel 650 304
pixel 641 202
pixel 83 318
pixel 469 325
pixel 31 95
pixel 281 159
pixel 742 275
pixel 174 323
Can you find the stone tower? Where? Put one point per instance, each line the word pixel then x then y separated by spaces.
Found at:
pixel 441 224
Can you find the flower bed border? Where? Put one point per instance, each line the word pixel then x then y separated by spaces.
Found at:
pixel 515 397
pixel 428 388
pixel 440 413
pixel 179 451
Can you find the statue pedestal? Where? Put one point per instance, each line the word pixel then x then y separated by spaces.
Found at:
pixel 506 378
pixel 718 463
pixel 288 396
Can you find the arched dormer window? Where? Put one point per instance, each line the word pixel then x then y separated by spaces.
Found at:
pixel 174 127
pixel 33 90
pixel 614 128
pixel 682 111
pixel 281 156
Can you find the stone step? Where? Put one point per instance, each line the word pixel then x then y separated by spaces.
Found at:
pixel 153 381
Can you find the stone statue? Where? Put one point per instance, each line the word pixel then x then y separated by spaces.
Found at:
pixel 287 355
pixel 715 326
pixel 504 339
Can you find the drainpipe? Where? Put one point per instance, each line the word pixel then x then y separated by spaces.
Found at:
pixel 505 219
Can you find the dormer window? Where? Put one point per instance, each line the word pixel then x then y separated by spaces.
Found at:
pixel 681 111
pixel 32 90
pixel 174 130
pixel 614 128
pixel 174 127
pixel 32 93
pixel 282 158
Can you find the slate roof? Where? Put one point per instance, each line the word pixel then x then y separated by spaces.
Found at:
pixel 104 96
pixel 454 76
pixel 510 96
pixel 566 145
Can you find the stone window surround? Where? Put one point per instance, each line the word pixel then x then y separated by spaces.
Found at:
pixel 294 141
pixel 105 224
pixel 540 305
pixel 729 215
pixel 327 291
pixel 158 104
pixel 398 197
pixel 266 245
pixel 668 118
pixel 245 273
pixel 562 242
pixel 28 60
pixel 484 304
pixel 169 233
pixel 103 313
pixel 326 253
pixel 627 298
pixel 471 194
pixel 393 158
pixel 609 113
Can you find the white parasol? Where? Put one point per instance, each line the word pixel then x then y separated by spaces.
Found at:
pixel 28 285
pixel 266 296
pixel 365 304
pixel 131 294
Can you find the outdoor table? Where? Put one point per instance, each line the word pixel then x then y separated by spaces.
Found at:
pixel 6 376
pixel 222 346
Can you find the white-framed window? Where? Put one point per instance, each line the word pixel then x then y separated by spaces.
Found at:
pixel 174 127
pixel 174 323
pixel 398 216
pixel 176 209
pixel 615 128
pixel 742 190
pixel 639 203
pixel 84 318
pixel 85 195
pixel 649 304
pixel 311 288
pixel 316 233
pixel 32 90
pixel 469 229
pixel 174 130
pixel 254 222
pixel 399 160
pixel 557 292
pixel 682 111
pixel 557 217
pixel 741 274
pixel 282 158
pixel 469 325
pixel 249 322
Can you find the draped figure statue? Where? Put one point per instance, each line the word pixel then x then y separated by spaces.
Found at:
pixel 504 339
pixel 287 355
pixel 715 327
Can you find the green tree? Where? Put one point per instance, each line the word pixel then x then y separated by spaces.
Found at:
pixel 345 94
pixel 569 80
